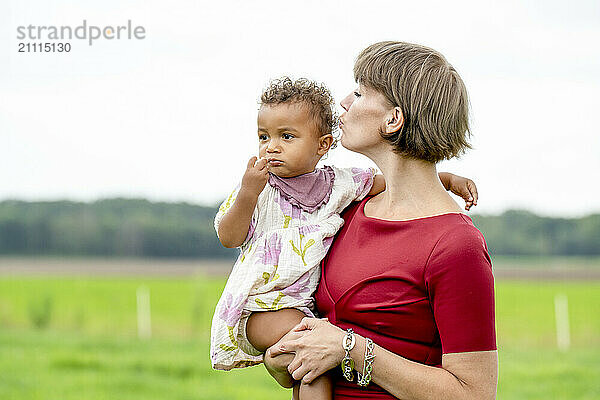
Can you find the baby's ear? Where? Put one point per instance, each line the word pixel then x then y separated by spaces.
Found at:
pixel 325 143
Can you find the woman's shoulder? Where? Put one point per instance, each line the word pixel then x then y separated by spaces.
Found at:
pixel 460 247
pixel 459 231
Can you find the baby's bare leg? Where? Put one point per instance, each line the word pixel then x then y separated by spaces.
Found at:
pixel 266 328
pixel 321 389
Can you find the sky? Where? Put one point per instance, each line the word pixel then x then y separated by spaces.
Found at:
pixel 172 116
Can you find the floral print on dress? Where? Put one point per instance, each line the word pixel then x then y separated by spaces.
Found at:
pixel 298 289
pixel 231 309
pixel 306 229
pixel 269 253
pixel 363 178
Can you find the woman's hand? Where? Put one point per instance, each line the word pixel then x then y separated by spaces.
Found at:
pixel 317 350
pixel 277 366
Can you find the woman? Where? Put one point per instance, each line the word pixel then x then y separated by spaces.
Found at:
pixel 407 287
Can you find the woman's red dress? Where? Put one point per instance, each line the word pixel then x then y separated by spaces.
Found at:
pixel 419 288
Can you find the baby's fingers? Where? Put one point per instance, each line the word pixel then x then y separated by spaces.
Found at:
pixel 473 189
pixel 251 162
pixel 261 164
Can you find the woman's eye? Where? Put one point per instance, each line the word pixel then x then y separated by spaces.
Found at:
pixel 356 94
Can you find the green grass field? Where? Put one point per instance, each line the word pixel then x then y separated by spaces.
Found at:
pixel 85 345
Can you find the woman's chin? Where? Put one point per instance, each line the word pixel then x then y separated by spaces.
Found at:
pixel 345 144
pixel 343 141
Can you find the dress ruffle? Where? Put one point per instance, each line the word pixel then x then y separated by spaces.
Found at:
pixel 309 191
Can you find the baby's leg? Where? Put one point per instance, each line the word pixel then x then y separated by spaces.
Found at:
pixel 321 388
pixel 265 328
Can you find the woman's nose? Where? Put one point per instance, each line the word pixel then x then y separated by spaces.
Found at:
pixel 347 102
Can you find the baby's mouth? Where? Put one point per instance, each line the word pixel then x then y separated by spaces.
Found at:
pixel 274 162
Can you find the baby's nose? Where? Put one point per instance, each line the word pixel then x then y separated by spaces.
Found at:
pixel 272 147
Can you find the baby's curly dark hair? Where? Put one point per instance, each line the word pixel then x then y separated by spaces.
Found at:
pixel 314 95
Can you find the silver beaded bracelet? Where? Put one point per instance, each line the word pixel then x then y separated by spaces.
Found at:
pixel 365 378
pixel 347 362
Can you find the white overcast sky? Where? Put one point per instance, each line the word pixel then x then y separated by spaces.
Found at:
pixel 172 117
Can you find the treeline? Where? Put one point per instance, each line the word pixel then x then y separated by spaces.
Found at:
pixel 140 228
pixel 115 227
pixel 517 232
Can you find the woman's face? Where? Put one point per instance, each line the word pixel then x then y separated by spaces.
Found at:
pixel 364 119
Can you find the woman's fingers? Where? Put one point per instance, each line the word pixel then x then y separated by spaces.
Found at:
pixel 305 323
pixel 294 365
pixel 316 348
pixel 291 335
pixel 283 347
pixel 300 372
pixel 311 376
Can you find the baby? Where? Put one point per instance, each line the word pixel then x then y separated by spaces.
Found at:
pixel 283 216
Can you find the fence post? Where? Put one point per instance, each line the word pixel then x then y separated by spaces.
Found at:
pixel 143 313
pixel 563 334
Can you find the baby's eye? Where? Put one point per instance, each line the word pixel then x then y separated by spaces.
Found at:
pixel 287 136
pixel 262 137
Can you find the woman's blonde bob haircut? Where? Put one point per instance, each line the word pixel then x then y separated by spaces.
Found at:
pixel 428 90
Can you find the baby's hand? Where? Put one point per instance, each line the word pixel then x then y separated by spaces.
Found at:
pixel 465 188
pixel 256 176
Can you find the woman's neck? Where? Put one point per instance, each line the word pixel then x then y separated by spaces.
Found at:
pixel 413 190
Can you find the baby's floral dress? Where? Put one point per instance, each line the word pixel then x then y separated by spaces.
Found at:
pixel 279 261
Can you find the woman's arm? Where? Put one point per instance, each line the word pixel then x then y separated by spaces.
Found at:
pixel 234 225
pixel 470 375
pixel 462 376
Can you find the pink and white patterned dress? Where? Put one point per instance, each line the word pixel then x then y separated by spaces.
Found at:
pixel 279 262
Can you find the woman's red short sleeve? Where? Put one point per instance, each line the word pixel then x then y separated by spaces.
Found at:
pixel 460 284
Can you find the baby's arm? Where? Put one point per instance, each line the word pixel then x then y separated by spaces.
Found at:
pixel 460 186
pixel 463 187
pixel 378 185
pixel 234 226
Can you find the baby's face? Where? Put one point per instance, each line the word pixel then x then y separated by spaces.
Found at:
pixel 288 139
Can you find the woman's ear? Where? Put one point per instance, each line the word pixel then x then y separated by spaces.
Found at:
pixel 325 142
pixel 395 121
